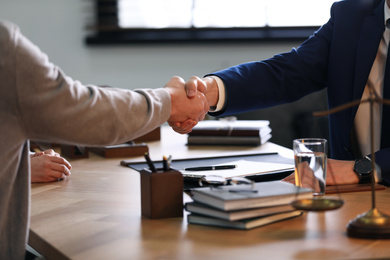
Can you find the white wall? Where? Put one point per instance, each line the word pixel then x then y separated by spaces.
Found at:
pixel 57 27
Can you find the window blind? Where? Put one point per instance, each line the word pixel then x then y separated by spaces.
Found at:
pixel 156 21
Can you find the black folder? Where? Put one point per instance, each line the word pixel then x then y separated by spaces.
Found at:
pixel 194 162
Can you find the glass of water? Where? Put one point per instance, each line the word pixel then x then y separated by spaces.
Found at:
pixel 310 164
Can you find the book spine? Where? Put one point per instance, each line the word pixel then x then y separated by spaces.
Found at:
pixel 231 140
pixel 246 141
pixel 224 132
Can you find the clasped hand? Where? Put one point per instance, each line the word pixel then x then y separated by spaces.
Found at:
pixel 304 177
pixel 187 109
pixel 49 166
pixel 339 172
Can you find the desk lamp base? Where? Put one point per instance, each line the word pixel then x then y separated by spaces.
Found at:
pixel 373 224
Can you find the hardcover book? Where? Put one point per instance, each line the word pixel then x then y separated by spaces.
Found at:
pixel 224 132
pixel 242 224
pixel 228 140
pixel 263 194
pixel 201 209
pixel 120 150
pixel 231 128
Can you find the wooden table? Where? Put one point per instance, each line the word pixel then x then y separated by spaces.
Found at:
pixel 95 214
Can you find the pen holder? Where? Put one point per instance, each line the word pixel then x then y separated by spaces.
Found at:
pixel 161 194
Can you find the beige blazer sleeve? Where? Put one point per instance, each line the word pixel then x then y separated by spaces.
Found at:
pixel 57 108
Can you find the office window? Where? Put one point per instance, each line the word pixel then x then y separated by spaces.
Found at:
pixel 132 21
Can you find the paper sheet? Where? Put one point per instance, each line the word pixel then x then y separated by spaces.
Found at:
pixel 244 168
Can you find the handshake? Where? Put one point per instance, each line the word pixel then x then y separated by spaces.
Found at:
pixel 190 101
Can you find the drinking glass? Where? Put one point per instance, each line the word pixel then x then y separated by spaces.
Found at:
pixel 310 164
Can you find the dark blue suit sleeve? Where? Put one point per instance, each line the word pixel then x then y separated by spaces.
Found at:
pixel 284 78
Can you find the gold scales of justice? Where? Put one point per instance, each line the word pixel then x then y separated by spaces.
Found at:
pixel 372 224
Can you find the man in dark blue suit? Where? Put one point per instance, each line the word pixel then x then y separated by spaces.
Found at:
pixel 345 56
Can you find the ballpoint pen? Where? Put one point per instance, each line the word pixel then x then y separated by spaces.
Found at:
pixel 150 163
pixel 211 168
pixel 169 161
pixel 165 164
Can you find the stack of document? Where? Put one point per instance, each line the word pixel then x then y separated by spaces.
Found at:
pixel 245 206
pixel 226 132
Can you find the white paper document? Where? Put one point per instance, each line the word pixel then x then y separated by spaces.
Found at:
pixel 244 168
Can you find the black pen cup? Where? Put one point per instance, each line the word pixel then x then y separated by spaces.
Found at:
pixel 161 193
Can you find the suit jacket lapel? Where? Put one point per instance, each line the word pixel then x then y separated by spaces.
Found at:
pixel 370 36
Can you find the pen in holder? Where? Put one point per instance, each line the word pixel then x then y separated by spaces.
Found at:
pixel 161 193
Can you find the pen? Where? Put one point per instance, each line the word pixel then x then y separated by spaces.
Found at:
pixel 211 168
pixel 149 162
pixel 165 164
pixel 169 161
pixel 243 191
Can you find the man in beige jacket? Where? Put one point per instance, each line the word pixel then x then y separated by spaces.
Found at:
pixel 39 102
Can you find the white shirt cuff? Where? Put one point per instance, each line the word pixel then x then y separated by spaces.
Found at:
pixel 221 93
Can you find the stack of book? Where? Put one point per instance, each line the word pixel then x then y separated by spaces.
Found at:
pixel 225 132
pixel 244 207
